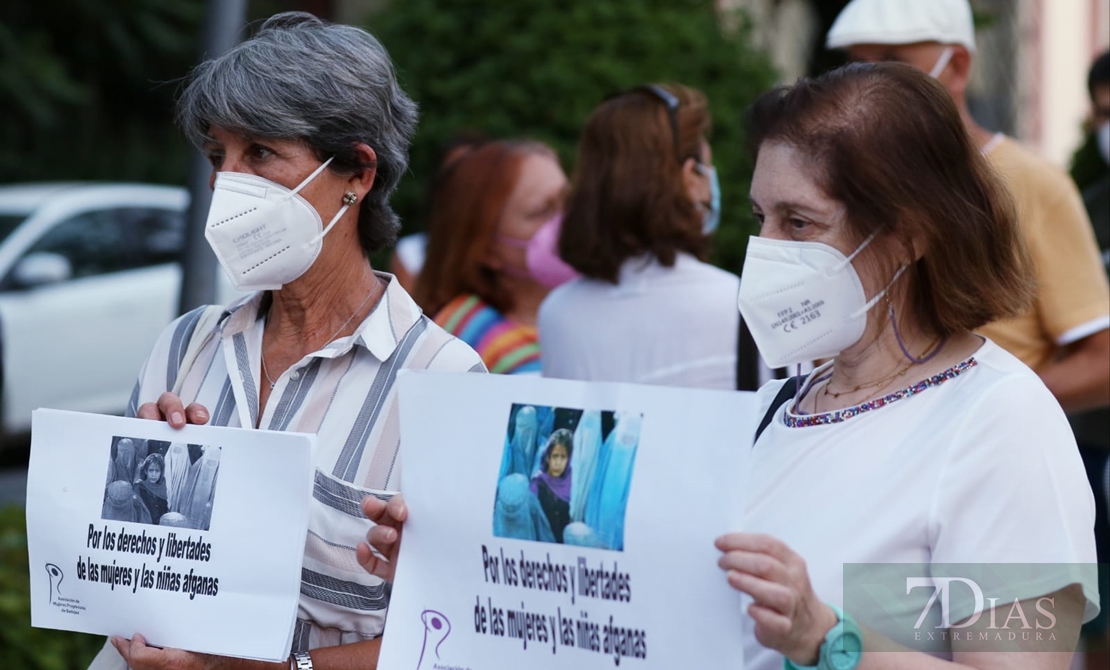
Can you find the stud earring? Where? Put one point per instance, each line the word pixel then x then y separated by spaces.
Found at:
pixel 349 198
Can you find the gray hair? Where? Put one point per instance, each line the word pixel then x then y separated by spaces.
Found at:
pixel 332 86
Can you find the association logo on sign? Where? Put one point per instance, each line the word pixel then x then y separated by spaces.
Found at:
pixel 436 630
pixel 67 605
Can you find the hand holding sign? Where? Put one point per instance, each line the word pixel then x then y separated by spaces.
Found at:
pixel 788 615
pixel 140 656
pixel 169 409
pixel 384 536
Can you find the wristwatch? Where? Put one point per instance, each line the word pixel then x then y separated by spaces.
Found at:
pixel 841 650
pixel 300 660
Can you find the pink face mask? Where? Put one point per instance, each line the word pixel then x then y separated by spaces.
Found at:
pixel 541 255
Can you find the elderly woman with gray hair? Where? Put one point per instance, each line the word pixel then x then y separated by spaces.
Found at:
pixel 308 134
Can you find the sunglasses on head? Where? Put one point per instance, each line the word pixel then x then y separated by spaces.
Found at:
pixel 668 99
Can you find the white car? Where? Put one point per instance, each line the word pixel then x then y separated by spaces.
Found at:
pixel 89 276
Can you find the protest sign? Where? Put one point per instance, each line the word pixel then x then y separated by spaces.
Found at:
pixel 558 524
pixel 134 527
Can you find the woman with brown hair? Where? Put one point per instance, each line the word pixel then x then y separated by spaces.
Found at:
pixel 886 240
pixel 642 203
pixel 491 258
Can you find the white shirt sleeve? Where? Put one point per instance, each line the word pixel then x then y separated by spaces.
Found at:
pixel 1013 490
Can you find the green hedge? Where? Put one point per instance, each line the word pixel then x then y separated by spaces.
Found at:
pixel 536 68
pixel 21 646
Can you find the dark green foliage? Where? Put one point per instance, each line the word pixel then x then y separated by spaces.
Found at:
pixel 20 645
pixel 536 68
pixel 86 88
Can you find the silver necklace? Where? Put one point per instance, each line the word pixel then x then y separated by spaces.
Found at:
pixel 331 339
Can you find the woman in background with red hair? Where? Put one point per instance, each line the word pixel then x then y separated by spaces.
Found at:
pixel 491 250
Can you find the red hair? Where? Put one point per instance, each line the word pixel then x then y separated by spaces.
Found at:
pixel 466 209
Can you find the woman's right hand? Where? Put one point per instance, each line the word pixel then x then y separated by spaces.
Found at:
pixel 384 537
pixel 170 409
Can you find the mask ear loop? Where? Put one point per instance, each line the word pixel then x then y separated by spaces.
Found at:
pixel 894 323
pixel 310 177
pixel 942 62
pixel 338 215
pixel 879 296
pixel 848 261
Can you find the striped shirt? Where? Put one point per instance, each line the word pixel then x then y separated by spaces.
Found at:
pixel 506 347
pixel 345 394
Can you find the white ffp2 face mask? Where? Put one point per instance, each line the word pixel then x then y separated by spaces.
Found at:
pixel 264 234
pixel 802 300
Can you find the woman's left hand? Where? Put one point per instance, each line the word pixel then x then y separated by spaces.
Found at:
pixel 384 536
pixel 788 615
pixel 140 656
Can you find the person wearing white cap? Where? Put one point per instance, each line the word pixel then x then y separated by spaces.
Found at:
pixel 1065 336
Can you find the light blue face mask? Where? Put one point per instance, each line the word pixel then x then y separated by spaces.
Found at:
pixel 713 214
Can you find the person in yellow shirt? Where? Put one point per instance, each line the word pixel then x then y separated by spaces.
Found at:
pixel 1065 337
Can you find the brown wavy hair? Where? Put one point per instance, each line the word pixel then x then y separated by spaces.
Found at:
pixel 627 196
pixel 466 209
pixel 887 141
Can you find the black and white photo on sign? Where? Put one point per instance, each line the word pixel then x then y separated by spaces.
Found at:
pixel 160 483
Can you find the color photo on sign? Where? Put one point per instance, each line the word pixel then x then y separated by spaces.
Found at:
pixel 160 483
pixel 565 475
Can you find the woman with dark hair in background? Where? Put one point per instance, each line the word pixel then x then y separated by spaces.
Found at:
pixel 643 201
pixel 491 257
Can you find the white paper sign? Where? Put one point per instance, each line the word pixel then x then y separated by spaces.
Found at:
pixel 558 524
pixel 192 537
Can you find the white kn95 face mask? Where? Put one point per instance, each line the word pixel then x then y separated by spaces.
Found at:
pixel 802 300
pixel 264 234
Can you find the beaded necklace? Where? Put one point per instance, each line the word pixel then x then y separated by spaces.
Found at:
pixel 794 419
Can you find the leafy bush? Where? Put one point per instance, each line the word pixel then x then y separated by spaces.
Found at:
pixel 21 646
pixel 86 88
pixel 536 68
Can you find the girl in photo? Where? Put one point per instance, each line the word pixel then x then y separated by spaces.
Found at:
pixel 552 485
pixel 151 486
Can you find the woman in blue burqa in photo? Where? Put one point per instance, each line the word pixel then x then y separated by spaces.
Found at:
pixel 520 446
pixel 608 497
pixel 578 534
pixel 552 484
pixel 587 451
pixel 517 513
pixel 121 503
